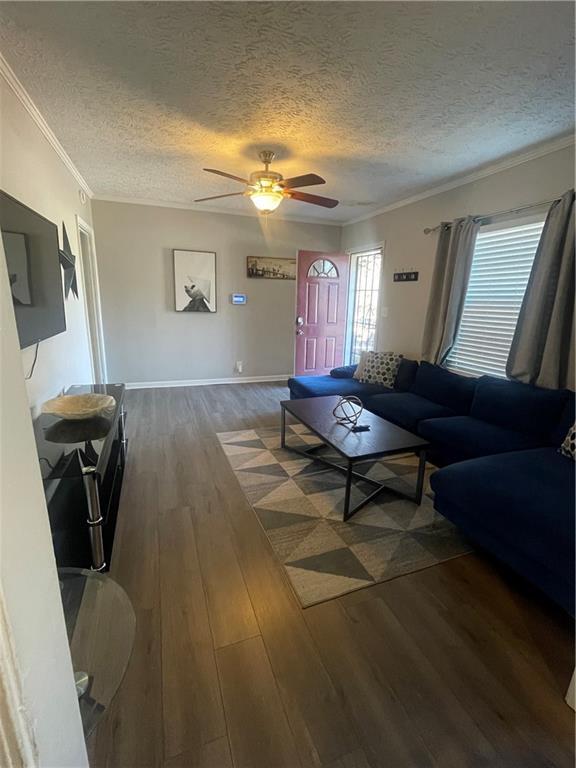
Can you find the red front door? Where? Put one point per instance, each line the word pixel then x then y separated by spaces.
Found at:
pixel 322 296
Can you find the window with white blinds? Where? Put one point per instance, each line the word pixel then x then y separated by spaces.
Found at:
pixel 500 270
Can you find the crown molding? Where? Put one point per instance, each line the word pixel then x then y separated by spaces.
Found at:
pixel 23 96
pixel 16 86
pixel 209 209
pixel 461 181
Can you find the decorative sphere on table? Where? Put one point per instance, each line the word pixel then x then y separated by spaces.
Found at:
pixel 348 410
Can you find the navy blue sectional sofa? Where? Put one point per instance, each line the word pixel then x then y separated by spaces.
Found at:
pixel 341 382
pixel 520 507
pixel 502 479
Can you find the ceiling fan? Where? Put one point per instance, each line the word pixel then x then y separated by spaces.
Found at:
pixel 267 189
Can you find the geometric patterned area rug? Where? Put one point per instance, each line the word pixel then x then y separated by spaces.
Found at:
pixel 299 504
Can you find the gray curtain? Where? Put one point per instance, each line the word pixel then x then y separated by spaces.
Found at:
pixel 448 292
pixel 542 350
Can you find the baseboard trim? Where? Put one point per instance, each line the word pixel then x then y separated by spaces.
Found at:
pixel 206 382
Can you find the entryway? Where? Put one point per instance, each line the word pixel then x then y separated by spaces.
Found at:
pixel 321 303
pixel 91 295
pixel 337 299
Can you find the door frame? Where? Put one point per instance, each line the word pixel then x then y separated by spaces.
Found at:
pixel 294 313
pixel 92 303
pixel 17 743
pixel 354 251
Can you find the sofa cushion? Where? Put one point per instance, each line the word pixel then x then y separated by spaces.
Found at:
pixel 444 387
pixel 525 498
pixel 405 375
pixel 317 386
pixel 343 372
pixel 467 438
pixel 405 409
pixel 567 419
pixel 518 406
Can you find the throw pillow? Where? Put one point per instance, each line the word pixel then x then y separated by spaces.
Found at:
pixel 381 368
pixel 360 367
pixel 567 447
pixel 343 372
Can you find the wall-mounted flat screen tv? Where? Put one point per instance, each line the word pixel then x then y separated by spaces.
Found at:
pixel 31 248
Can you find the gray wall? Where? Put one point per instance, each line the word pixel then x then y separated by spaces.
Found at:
pixel 406 247
pixel 147 341
pixel 29 589
pixel 32 172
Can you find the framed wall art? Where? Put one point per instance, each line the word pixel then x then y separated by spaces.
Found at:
pixel 195 281
pixel 268 268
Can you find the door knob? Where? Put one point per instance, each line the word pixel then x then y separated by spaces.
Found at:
pixel 299 321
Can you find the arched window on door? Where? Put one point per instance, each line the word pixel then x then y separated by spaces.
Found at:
pixel 322 268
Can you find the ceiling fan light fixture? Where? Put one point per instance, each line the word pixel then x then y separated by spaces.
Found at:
pixel 267 188
pixel 266 200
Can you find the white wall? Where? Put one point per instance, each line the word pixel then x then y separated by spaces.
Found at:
pixel 146 340
pixel 27 567
pixel 408 248
pixel 32 172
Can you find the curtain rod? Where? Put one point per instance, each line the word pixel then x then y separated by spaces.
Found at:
pixel 429 230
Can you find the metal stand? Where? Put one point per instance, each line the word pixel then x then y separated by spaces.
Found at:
pixel 82 681
pixel 95 519
pixel 122 433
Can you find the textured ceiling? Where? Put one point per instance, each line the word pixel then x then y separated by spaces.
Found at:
pixel 383 99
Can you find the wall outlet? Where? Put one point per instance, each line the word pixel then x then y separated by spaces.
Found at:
pixel 239 366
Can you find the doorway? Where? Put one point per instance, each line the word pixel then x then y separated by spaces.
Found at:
pixel 321 307
pixel 92 304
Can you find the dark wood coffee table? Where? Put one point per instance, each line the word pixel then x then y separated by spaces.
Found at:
pixel 383 439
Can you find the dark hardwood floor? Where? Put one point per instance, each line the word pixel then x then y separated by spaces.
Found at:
pixel 458 665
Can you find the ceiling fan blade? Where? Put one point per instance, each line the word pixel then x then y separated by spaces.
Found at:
pixel 226 175
pixel 308 180
pixel 325 202
pixel 217 197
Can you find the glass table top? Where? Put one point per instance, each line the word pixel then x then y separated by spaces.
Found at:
pixel 101 625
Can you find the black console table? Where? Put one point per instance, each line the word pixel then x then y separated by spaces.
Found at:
pixel 82 465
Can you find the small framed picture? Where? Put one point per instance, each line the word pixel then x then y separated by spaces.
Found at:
pixel 268 268
pixel 195 281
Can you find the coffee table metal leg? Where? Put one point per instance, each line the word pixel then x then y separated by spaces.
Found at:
pixel 421 475
pixel 347 494
pixel 282 427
